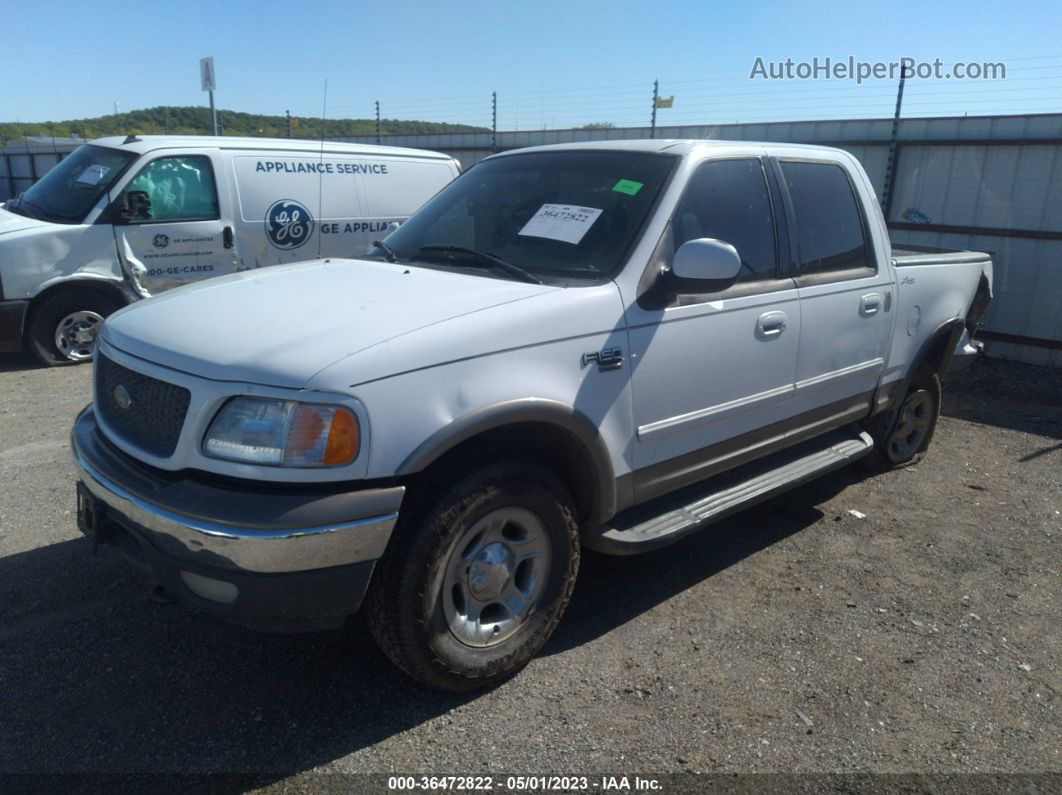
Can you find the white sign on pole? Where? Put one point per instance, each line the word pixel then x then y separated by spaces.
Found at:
pixel 206 73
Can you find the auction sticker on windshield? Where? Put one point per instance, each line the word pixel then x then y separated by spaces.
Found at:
pixel 93 174
pixel 564 222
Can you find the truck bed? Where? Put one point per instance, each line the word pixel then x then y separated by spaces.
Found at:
pixel 907 255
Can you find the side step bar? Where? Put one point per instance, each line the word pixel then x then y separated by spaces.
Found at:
pixel 669 518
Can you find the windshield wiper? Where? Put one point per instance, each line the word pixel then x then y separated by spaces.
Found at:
pixel 489 260
pixel 389 253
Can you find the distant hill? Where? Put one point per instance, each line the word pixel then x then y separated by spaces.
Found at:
pixel 196 121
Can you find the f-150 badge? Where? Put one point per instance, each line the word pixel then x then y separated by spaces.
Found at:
pixel 606 358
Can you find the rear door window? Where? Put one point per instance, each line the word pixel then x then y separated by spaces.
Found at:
pixel 830 229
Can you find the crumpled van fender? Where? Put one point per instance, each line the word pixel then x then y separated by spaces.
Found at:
pixel 99 281
pixel 579 432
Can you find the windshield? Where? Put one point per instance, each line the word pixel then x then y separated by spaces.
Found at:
pixel 66 193
pixel 551 213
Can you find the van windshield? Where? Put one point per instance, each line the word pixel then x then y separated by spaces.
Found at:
pixel 66 193
pixel 564 214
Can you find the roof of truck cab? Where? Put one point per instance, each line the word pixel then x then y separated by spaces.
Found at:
pixel 149 143
pixel 677 146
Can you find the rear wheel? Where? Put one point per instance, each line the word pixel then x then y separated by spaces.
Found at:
pixel 63 327
pixel 902 437
pixel 475 580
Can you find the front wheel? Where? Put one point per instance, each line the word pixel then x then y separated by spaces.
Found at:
pixel 475 580
pixel 63 328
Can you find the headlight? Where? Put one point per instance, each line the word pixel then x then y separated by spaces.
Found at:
pixel 283 433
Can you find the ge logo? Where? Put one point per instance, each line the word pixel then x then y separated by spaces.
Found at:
pixel 161 241
pixel 288 224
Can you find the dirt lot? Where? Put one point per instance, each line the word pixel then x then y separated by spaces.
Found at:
pixel 924 637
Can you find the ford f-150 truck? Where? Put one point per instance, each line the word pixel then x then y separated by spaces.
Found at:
pixel 606 345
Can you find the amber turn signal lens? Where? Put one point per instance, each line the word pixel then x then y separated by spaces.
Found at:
pixel 342 444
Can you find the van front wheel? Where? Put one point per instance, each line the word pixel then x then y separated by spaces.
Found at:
pixel 476 577
pixel 63 327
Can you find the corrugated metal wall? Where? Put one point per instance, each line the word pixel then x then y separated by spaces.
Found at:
pixel 21 167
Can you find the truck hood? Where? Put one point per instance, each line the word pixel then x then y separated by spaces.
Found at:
pixel 13 222
pixel 280 325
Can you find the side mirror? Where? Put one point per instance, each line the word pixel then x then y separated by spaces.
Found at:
pixel 706 260
pixel 391 227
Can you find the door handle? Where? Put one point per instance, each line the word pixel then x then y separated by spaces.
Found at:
pixel 226 237
pixel 870 303
pixel 771 324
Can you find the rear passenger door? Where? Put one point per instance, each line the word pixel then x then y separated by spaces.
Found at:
pixel 845 293
pixel 713 373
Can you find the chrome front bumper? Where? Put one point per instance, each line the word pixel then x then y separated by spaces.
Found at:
pixel 271 531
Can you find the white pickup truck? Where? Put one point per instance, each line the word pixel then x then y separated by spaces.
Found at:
pixel 607 345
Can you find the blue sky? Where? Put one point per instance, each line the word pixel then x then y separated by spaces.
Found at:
pixel 552 63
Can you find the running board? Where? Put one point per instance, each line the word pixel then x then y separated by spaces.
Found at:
pixel 669 518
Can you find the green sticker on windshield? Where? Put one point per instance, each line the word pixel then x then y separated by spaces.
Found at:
pixel 628 186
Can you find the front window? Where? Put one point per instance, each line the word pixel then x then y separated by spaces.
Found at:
pixel 728 200
pixel 558 213
pixel 178 188
pixel 66 193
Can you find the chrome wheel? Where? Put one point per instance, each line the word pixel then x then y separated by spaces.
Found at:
pixel 913 423
pixel 75 336
pixel 495 576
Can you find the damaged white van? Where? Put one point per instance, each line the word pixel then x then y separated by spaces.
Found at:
pixel 121 219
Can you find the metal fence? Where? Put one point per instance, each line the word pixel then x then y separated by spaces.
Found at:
pixel 24 162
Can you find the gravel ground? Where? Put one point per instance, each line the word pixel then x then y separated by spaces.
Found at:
pixel 796 637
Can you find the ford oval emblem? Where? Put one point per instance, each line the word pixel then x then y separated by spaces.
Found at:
pixel 122 397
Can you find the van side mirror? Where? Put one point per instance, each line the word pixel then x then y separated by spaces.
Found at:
pixel 698 262
pixel 131 205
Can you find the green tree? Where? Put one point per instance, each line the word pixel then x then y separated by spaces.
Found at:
pixel 195 120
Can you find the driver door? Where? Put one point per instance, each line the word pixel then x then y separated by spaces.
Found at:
pixel 180 235
pixel 713 373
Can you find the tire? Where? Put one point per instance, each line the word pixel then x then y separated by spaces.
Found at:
pixel 62 328
pixel 901 437
pixel 465 550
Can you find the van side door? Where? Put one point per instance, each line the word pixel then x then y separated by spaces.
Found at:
pixel 846 301
pixel 712 374
pixel 179 229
